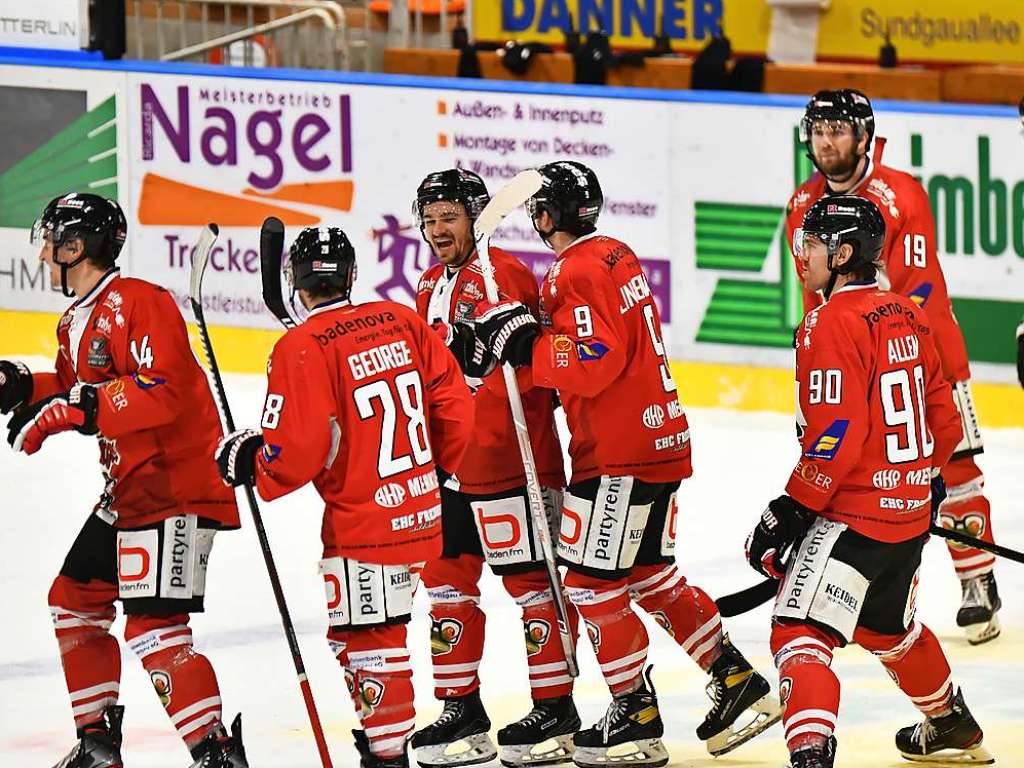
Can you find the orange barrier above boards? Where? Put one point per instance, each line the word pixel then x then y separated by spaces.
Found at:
pixel 980 84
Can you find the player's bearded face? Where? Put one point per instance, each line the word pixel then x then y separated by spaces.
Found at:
pixel 449 232
pixel 814 263
pixel 836 147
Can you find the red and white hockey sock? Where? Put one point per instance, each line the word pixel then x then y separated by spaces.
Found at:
pixel 82 615
pixel 616 632
pixel 376 661
pixel 457 624
pixel 686 612
pixel 917 663
pixel 966 510
pixel 808 687
pixel 545 657
pixel 183 679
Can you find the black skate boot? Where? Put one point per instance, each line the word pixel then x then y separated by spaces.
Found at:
pixel 816 756
pixel 99 744
pixel 734 688
pixel 369 760
pixel 951 739
pixel 458 737
pixel 979 611
pixel 631 719
pixel 218 750
pixel 543 737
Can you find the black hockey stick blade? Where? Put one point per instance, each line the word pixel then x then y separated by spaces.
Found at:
pixel 747 599
pixel 970 541
pixel 271 249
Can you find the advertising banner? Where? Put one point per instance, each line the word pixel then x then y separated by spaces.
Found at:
pixel 987 31
pixel 61 24
pixel 61 131
pixel 688 24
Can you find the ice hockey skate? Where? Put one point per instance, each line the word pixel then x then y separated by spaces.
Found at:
pixel 979 611
pixel 816 756
pixel 629 733
pixel 543 737
pixel 369 760
pixel 953 739
pixel 99 744
pixel 458 737
pixel 218 750
pixel 736 688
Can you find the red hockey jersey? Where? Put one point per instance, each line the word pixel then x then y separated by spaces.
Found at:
pixel 909 254
pixel 158 424
pixel 601 348
pixel 493 462
pixel 874 410
pixel 365 401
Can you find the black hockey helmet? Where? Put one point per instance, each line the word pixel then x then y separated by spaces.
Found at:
pixel 456 185
pixel 572 197
pixel 321 258
pixel 842 219
pixel 98 222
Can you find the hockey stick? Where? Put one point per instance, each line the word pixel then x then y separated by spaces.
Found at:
pixel 202 256
pixel 271 248
pixel 748 599
pixel 510 197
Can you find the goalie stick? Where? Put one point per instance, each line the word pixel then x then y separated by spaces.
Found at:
pixel 202 256
pixel 506 200
pixel 750 598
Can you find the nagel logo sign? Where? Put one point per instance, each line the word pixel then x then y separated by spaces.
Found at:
pixel 245 150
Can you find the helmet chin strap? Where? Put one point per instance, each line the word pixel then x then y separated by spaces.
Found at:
pixel 64 267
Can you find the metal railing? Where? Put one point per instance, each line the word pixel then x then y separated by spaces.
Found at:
pixel 295 33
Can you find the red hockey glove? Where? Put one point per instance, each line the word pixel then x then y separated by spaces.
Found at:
pixel 782 523
pixel 75 409
pixel 15 385
pixel 236 456
pixel 508 330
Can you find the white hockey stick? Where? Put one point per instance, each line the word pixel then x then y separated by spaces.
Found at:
pixel 510 197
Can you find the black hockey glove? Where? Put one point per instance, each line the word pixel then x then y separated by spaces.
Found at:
pixel 1020 354
pixel 236 456
pixel 782 523
pixel 473 357
pixel 15 385
pixel 75 409
pixel 508 330
pixel 938 496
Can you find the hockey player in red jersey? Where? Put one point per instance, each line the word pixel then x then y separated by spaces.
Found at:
pixel 599 345
pixel 364 401
pixel 837 129
pixel 485 513
pixel 126 374
pixel 876 422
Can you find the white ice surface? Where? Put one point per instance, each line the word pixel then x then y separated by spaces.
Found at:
pixel 741 461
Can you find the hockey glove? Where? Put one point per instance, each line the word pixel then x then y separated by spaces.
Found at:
pixel 938 496
pixel 75 409
pixel 236 456
pixel 507 330
pixel 15 385
pixel 1020 354
pixel 473 357
pixel 782 523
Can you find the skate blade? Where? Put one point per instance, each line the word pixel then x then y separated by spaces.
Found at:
pixel 643 753
pixel 767 713
pixel 978 755
pixel 472 750
pixel 554 751
pixel 983 633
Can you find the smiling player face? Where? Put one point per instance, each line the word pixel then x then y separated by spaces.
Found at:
pixel 449 231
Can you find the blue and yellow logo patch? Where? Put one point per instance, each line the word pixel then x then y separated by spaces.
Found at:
pixel 593 350
pixel 142 381
pixel 271 452
pixel 827 445
pixel 920 294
